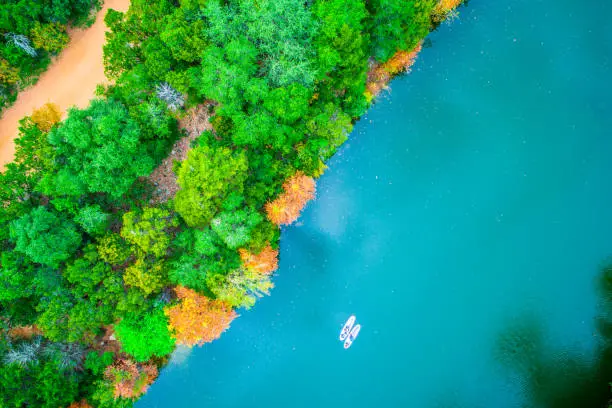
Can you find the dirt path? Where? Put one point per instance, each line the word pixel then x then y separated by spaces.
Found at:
pixel 163 177
pixel 70 80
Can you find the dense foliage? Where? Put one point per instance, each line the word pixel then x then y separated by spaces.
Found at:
pixel 99 278
pixel 31 32
pixel 144 335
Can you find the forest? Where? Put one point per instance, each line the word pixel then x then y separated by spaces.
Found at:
pixel 102 271
pixel 31 33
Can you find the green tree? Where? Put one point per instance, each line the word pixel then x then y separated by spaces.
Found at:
pixel 86 273
pixel 328 127
pixel 190 270
pixel 119 51
pixel 184 35
pixel 96 362
pixel 113 249
pixel 101 149
pixel 45 237
pixel 145 335
pixel 63 317
pixel 234 227
pixel 225 72
pixel 42 385
pixel 85 298
pixel 288 104
pixel 200 253
pixel 342 52
pixel 53 315
pixel 16 275
pixel 281 29
pixel 398 25
pixel 157 58
pixel 92 219
pixel 206 178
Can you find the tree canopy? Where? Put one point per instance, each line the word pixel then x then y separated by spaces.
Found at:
pixel 144 335
pixel 206 178
pixel 198 319
pixel 101 150
pixel 45 237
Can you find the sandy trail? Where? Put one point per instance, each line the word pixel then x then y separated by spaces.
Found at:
pixel 70 80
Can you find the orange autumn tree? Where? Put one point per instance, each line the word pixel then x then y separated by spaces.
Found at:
pixel 380 74
pixel 130 380
pixel 264 262
pixel 401 61
pixel 46 116
pixel 197 319
pixel 444 8
pixel 297 191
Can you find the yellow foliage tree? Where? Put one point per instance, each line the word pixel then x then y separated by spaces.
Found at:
pixel 197 319
pixel 147 276
pixel 298 190
pixel 8 74
pixel 46 116
pixel 50 37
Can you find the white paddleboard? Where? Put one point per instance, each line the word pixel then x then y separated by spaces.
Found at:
pixel 344 333
pixel 352 336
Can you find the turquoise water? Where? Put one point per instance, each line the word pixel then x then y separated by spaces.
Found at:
pixel 474 195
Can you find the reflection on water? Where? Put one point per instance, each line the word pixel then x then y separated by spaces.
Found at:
pixel 554 378
pixel 520 346
pixel 180 355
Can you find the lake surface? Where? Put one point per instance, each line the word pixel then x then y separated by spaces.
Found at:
pixel 474 195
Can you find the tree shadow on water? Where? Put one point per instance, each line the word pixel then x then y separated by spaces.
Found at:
pixel 552 378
